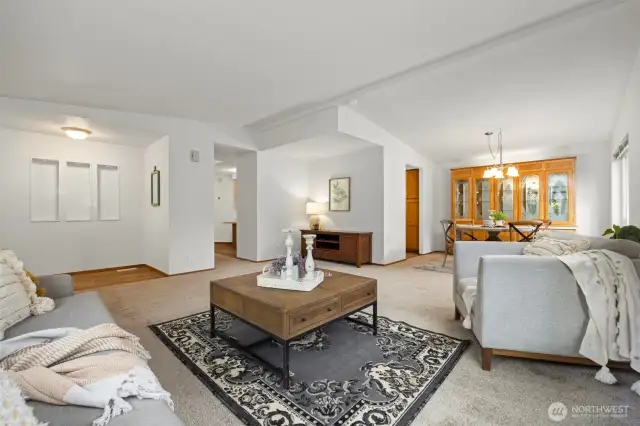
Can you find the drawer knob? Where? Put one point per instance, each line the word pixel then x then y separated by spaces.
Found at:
pixel 328 309
pixel 368 294
pixel 303 319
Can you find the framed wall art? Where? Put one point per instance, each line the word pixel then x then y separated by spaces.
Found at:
pixel 340 194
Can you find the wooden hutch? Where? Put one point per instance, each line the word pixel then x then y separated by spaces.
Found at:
pixel 543 190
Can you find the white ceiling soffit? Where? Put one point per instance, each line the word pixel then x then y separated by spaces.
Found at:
pixel 226 155
pixel 235 61
pixel 558 87
pixel 324 146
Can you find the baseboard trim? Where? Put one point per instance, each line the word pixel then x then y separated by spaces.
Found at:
pixel 405 259
pixel 191 272
pixel 157 270
pixel 114 268
pixel 256 261
pixel 389 264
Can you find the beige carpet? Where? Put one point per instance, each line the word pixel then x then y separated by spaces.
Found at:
pixel 515 392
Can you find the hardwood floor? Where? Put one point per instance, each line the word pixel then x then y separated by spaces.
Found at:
pixel 225 249
pixel 90 280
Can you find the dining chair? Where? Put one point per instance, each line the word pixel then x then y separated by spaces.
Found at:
pixel 449 229
pixel 524 235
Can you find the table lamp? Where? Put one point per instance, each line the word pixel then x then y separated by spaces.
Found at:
pixel 314 210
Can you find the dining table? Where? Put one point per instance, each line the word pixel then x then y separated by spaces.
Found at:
pixel 493 232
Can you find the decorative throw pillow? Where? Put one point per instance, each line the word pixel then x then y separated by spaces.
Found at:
pixel 12 308
pixel 545 246
pixel 13 409
pixel 14 301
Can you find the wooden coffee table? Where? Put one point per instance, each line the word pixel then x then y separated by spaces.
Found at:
pixel 285 314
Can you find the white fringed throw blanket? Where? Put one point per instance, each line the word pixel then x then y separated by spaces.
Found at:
pixel 611 288
pixel 68 369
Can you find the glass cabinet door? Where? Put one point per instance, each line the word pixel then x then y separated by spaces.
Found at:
pixel 558 196
pixel 483 198
pixel 530 196
pixel 461 199
pixel 506 197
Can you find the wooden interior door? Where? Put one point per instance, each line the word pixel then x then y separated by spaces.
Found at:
pixel 413 210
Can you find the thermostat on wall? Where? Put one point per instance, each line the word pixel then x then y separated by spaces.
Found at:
pixel 195 155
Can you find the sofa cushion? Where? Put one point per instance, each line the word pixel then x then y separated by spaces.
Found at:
pixel 83 310
pixel 464 283
pixel 145 412
pixel 628 248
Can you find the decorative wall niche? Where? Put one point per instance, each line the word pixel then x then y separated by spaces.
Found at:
pixel 108 192
pixel 77 192
pixel 44 192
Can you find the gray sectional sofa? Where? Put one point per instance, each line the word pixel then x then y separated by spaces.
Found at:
pixel 526 306
pixel 84 310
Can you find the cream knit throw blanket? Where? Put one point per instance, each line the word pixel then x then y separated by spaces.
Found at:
pixel 611 288
pixel 62 373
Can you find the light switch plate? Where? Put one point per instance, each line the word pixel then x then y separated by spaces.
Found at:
pixel 195 155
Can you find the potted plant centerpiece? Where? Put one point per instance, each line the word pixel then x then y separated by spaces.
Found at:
pixel 499 217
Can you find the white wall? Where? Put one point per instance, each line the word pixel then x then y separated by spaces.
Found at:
pixel 282 195
pixel 396 157
pixel 628 122
pixel 57 247
pixel 225 207
pixel 247 207
pixel 191 191
pixel 272 192
pixel 364 167
pixel 156 219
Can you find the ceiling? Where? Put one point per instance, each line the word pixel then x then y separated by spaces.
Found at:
pixel 239 62
pixel 558 87
pixel 324 146
pixel 47 119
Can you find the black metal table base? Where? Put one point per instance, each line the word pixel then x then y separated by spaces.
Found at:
pixel 284 369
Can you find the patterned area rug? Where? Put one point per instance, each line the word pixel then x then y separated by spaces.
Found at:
pixel 341 374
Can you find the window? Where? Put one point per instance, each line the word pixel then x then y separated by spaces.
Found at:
pixel 620 184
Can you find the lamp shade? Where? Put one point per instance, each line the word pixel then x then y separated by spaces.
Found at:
pixel 314 208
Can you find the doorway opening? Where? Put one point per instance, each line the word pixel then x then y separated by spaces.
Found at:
pixel 226 200
pixel 412 211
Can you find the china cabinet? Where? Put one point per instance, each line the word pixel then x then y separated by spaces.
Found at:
pixel 543 190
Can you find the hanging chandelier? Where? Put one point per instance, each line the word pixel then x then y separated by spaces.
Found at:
pixel 497 170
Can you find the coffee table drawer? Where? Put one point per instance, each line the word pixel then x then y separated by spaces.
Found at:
pixel 303 320
pixel 360 297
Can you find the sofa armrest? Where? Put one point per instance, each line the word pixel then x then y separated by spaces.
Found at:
pixel 57 286
pixel 529 304
pixel 467 254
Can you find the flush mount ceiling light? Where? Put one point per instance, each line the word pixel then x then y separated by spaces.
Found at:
pixel 76 132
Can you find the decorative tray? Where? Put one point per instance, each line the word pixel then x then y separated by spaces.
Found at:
pixel 267 279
